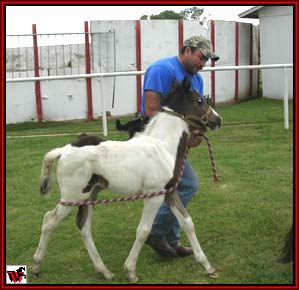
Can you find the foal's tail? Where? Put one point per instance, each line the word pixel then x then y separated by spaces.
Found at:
pixel 46 178
pixel 120 127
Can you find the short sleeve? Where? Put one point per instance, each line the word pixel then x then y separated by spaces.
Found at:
pixel 157 78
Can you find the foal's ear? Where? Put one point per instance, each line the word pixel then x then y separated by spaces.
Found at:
pixel 186 85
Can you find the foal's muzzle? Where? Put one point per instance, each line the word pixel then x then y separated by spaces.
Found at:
pixel 214 120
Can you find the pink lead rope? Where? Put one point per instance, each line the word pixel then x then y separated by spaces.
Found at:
pixel 212 159
pixel 150 195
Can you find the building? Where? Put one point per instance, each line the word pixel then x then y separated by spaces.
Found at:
pixel 276 46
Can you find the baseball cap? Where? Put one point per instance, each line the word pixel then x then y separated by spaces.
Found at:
pixel 203 44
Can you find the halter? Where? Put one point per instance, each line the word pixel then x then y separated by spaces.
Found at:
pixel 194 121
pixel 199 123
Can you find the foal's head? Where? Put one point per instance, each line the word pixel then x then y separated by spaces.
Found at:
pixel 191 107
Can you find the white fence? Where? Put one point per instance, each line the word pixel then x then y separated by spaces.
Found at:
pixel 101 77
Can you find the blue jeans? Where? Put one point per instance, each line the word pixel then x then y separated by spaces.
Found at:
pixel 166 225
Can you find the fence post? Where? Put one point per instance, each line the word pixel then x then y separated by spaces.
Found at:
pixel 251 58
pixel 236 61
pixel 181 33
pixel 88 71
pixel 138 64
pixel 103 104
pixel 213 64
pixel 36 74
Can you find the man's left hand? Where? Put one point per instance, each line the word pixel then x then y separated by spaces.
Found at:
pixel 195 138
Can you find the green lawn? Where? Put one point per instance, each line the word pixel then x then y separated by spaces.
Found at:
pixel 240 221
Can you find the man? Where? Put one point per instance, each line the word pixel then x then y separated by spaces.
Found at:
pixel 197 50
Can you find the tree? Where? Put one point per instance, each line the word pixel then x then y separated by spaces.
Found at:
pixel 192 13
pixel 167 14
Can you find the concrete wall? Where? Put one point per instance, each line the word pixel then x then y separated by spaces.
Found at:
pixel 122 88
pixel 20 103
pixel 115 50
pixel 276 26
pixel 155 44
pixel 61 100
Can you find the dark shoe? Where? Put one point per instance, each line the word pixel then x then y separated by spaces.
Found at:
pixel 161 247
pixel 183 251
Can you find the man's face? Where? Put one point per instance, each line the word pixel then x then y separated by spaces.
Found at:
pixel 194 61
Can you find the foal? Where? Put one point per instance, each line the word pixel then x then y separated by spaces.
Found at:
pixel 147 163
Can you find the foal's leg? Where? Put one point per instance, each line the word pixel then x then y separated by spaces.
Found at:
pixel 186 223
pixel 149 213
pixel 91 248
pixel 51 220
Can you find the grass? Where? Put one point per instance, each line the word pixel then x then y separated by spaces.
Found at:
pixel 240 221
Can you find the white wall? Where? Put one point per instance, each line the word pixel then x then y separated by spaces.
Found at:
pixel 123 88
pixel 61 100
pixel 20 103
pixel 276 26
pixel 225 47
pixel 64 99
pixel 159 39
pixel 67 99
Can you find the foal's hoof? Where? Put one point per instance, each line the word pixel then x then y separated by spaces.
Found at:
pixel 213 275
pixel 133 280
pixel 35 275
pixel 109 276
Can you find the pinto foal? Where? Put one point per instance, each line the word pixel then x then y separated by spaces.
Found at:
pixel 147 163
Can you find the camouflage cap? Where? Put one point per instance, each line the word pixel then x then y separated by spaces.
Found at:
pixel 203 44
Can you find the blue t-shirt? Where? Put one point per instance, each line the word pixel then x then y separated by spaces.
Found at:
pixel 159 76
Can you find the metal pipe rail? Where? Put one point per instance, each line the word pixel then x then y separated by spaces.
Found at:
pixel 136 73
pixel 101 76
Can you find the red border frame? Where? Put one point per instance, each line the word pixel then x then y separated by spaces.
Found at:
pixel 155 2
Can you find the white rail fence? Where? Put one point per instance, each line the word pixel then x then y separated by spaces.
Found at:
pixel 101 77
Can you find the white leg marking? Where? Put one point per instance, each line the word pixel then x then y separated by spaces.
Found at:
pixel 187 225
pixel 91 248
pixel 51 220
pixel 149 213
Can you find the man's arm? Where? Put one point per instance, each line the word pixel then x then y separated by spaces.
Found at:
pixel 152 103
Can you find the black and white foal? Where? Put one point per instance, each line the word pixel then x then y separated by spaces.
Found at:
pixel 149 162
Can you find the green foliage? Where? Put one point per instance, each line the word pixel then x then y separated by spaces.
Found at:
pixel 167 14
pixel 192 13
pixel 240 221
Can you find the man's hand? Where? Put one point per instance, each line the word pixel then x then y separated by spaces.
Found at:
pixel 195 138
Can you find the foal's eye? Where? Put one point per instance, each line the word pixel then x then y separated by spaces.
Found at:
pixel 200 101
